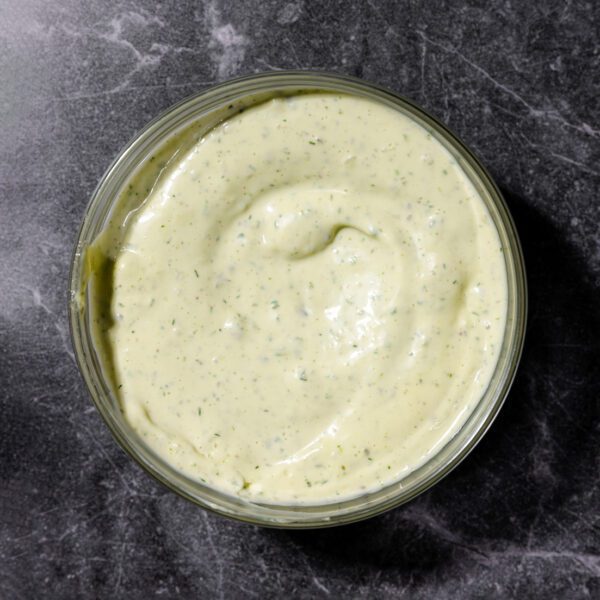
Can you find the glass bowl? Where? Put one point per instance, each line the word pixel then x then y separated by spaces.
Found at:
pixel 209 107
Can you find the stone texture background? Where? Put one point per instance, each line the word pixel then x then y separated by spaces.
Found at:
pixel 518 81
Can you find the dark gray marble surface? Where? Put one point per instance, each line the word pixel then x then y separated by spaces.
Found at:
pixel 519 81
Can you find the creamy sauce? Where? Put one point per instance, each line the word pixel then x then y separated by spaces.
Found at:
pixel 308 304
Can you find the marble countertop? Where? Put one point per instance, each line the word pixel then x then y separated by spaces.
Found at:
pixel 518 81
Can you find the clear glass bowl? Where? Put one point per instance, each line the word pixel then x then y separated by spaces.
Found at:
pixel 247 91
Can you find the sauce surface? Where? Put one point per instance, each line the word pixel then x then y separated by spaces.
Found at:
pixel 308 304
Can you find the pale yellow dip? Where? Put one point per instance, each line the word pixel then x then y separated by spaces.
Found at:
pixel 309 303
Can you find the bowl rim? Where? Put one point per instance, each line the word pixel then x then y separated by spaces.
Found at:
pixel 305 517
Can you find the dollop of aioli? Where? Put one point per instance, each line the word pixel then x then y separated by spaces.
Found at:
pixel 309 303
